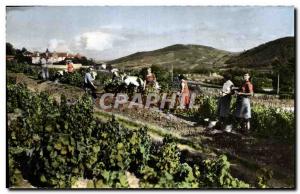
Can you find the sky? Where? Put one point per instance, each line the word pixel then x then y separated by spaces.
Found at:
pixel 108 32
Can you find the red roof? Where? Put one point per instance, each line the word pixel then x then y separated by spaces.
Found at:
pixel 60 54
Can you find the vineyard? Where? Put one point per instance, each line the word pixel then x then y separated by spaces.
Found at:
pixel 58 138
pixel 54 145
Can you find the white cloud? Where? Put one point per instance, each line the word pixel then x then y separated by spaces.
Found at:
pixel 112 27
pixel 58 45
pixel 97 41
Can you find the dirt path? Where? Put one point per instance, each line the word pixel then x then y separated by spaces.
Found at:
pixel 247 154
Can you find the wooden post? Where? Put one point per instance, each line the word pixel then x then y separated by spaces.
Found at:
pixel 278 84
pixel 172 73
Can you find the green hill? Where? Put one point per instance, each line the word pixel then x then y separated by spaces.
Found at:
pixel 262 56
pixel 191 57
pixel 181 56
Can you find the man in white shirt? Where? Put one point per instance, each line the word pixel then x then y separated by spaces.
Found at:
pixel 224 102
pixel 88 83
pixel 227 88
pixel 45 72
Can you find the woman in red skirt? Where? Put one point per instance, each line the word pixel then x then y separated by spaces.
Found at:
pixel 185 92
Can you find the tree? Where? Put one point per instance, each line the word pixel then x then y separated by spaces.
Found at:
pixel 23 50
pixel 286 72
pixel 10 49
pixel 276 65
pixel 83 60
pixel 288 76
pixel 21 58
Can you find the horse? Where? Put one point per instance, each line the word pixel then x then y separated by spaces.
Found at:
pixel 129 84
pixel 121 82
pixel 58 75
pixel 133 83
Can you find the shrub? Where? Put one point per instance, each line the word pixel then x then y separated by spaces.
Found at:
pixel 208 108
pixel 75 79
pixel 216 174
pixel 27 69
pixel 273 122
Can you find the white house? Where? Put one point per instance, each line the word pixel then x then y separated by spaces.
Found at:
pixel 52 57
pixel 36 58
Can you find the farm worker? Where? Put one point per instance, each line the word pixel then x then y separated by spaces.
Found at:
pixel 88 82
pixel 184 92
pixel 150 81
pixel 70 67
pixel 243 108
pixel 44 65
pixel 223 109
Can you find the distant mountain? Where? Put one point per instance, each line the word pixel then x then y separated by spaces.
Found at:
pixel 181 56
pixel 190 57
pixel 262 56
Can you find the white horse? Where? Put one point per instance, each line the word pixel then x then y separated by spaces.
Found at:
pixel 129 80
pixel 133 81
pixel 59 74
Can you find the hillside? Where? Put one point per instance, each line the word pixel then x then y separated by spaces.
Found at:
pixel 262 56
pixel 190 57
pixel 181 56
